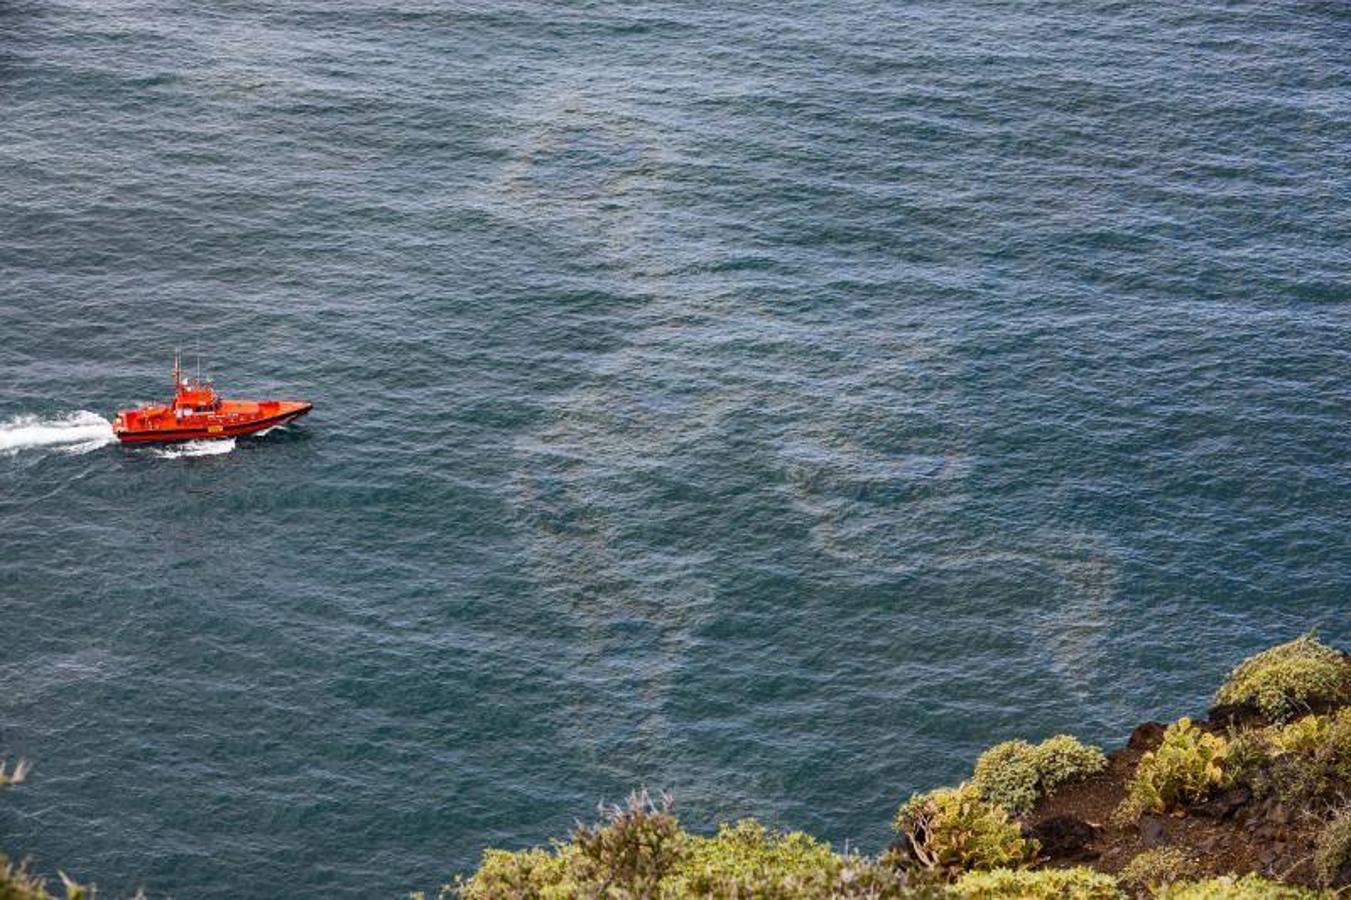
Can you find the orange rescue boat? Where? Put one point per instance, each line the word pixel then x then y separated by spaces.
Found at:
pixel 197 413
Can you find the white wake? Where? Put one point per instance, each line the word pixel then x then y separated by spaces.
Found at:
pixel 77 432
pixel 194 448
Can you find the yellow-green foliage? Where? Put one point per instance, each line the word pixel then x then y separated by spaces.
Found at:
pixel 1155 868
pixel 1016 774
pixel 1284 681
pixel 536 873
pixel 742 861
pixel 954 830
pixel 1249 887
pixel 1182 770
pixel 17 884
pixel 1044 884
pixel 1306 735
pixel 1298 762
pixel 626 854
pixel 1337 748
pixel 1333 850
pixel 747 854
pixel 746 860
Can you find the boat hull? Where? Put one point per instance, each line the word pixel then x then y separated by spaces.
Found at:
pixel 176 432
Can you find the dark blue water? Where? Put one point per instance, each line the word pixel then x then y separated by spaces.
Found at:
pixel 773 402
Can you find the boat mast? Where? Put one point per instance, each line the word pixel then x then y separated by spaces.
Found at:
pixel 177 382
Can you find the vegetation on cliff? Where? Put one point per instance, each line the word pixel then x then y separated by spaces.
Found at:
pixel 1016 774
pixel 1253 801
pixel 1289 680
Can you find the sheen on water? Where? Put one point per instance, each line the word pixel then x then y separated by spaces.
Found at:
pixel 774 403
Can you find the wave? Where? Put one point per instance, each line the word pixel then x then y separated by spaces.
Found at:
pixel 214 447
pixel 77 432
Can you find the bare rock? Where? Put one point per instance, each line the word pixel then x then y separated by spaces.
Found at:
pixel 1224 804
pixel 1065 838
pixel 1147 736
pixel 1153 831
pixel 1233 715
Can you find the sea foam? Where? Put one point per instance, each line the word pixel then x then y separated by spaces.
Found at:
pixel 76 432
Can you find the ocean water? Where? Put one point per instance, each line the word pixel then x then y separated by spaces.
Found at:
pixel 776 403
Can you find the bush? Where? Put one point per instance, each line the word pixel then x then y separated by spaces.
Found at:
pixel 1006 776
pixel 626 854
pixel 1155 868
pixel 1247 758
pixel 535 873
pixel 1297 763
pixel 838 877
pixel 1288 679
pixel 1182 770
pixel 17 884
pixel 1336 749
pixel 1044 884
pixel 634 856
pixel 1306 735
pixel 1249 887
pixel 633 847
pixel 953 830
pixel 1297 781
pixel 1332 852
pixel 745 859
pixel 1016 774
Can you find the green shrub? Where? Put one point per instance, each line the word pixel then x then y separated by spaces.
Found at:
pixel 840 878
pixel 954 830
pixel 1005 776
pixel 1044 884
pixel 745 859
pixel 1016 774
pixel 626 854
pixel 1248 887
pixel 1154 868
pixel 1336 749
pixel 632 848
pixel 1182 770
pixel 1332 851
pixel 869 878
pixel 1287 679
pixel 1297 763
pixel 1247 757
pixel 536 874
pixel 1306 735
pixel 1297 781
pixel 639 860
